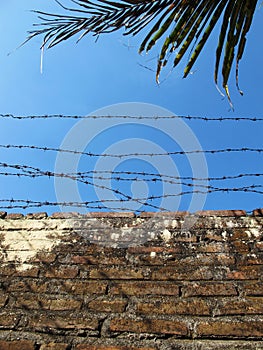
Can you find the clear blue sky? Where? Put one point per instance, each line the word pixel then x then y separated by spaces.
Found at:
pixel 81 79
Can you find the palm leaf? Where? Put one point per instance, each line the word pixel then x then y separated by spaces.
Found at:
pixel 180 23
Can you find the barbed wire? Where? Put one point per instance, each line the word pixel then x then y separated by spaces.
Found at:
pixel 116 175
pixel 186 117
pixel 98 204
pixel 136 154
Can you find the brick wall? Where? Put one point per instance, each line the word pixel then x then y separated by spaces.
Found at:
pixel 118 282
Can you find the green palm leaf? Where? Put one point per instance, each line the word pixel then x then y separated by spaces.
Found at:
pixel 181 24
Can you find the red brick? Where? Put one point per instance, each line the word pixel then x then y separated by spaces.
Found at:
pixel 240 306
pixel 101 214
pixel 67 215
pixel 17 345
pixel 144 288
pixel 54 346
pixel 232 328
pixel 37 216
pixel 219 213
pixel 62 272
pixel 193 306
pixel 104 305
pixel 258 212
pixel 14 216
pixel 209 289
pixel 172 214
pixel 148 326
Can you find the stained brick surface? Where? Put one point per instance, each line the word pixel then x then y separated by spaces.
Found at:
pixel 74 281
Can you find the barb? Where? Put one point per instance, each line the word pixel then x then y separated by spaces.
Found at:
pixel 186 117
pixel 124 155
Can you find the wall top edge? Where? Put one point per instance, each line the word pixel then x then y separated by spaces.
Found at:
pixel 177 214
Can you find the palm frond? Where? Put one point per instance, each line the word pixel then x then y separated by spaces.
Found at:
pixel 180 23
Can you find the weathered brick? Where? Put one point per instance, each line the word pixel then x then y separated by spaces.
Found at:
pixel 46 258
pixel 14 216
pixel 27 271
pixel 35 302
pixel 240 246
pixel 231 328
pixel 3 214
pixel 208 289
pixel 144 288
pixel 170 214
pixel 54 346
pixel 87 287
pixel 240 306
pixel 259 245
pixel 3 299
pixel 17 345
pixel 62 272
pixel 155 249
pixel 101 347
pixel 183 273
pixel 213 247
pixel 229 213
pixel 246 273
pixel 253 259
pixel 37 216
pixel 252 288
pixel 66 215
pixel 67 322
pixel 258 212
pixel 8 319
pixel 118 273
pixel 101 259
pixel 100 214
pixel 179 259
pixel 239 234
pixel 105 305
pixel 193 306
pixel 149 326
pixel 27 285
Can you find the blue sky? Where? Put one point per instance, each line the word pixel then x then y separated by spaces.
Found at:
pixel 85 78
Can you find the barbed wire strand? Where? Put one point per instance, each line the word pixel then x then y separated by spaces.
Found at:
pixel 93 174
pixel 25 204
pixel 186 117
pixel 137 154
pixel 82 179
